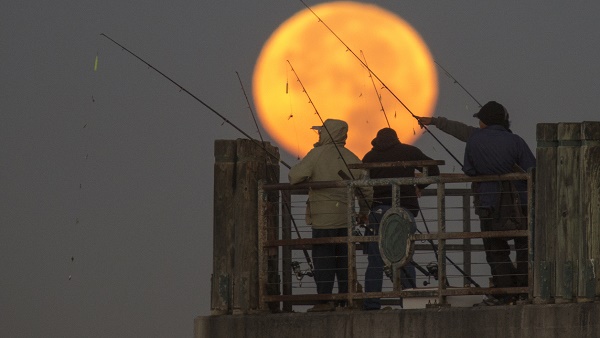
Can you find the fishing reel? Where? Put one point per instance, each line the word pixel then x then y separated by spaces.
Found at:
pixel 432 268
pixel 356 230
pixel 300 273
pixel 388 271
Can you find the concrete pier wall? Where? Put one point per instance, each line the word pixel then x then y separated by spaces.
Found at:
pixel 581 320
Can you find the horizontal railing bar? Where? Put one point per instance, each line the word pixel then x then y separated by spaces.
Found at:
pixel 444 178
pixel 414 237
pixel 418 247
pixel 466 235
pixel 395 294
pixel 398 164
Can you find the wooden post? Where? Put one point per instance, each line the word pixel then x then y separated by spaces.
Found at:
pixel 442 277
pixel 568 211
pixel 590 208
pixel 545 221
pixel 239 165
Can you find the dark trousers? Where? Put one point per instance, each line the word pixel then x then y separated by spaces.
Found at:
pixel 330 261
pixel 497 253
pixel 374 273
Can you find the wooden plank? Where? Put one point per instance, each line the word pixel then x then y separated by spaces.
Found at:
pixel 590 208
pixel 223 226
pixel 545 204
pixel 568 210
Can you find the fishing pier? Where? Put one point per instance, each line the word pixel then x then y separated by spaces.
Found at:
pixel 262 280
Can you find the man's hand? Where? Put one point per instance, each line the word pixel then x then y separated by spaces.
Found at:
pixel 362 219
pixel 417 191
pixel 423 120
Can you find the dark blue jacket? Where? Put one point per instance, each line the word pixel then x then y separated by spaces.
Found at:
pixel 387 148
pixel 494 151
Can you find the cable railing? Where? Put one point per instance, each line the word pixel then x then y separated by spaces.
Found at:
pixel 446 251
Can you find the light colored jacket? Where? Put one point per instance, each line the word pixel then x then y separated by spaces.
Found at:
pixel 328 208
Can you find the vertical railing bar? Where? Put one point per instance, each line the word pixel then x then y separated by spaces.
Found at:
pixel 351 252
pixel 467 254
pixel 286 254
pixel 441 199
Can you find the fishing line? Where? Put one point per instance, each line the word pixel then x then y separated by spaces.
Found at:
pixel 380 81
pixel 376 91
pixel 181 88
pixel 81 162
pixel 291 116
pixel 456 81
pixel 286 205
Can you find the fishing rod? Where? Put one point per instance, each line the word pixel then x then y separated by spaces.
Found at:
pixel 225 120
pixel 445 256
pixel 250 107
pixel 376 91
pixel 295 265
pixel 382 83
pixel 456 81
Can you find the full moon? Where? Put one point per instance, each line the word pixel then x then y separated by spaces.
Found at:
pixel 337 83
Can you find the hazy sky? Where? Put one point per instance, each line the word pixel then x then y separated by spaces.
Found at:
pixel 115 167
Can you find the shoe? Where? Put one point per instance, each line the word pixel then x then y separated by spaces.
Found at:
pixel 324 307
pixel 493 301
pixel 371 308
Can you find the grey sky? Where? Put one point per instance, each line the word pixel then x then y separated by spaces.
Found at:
pixel 143 241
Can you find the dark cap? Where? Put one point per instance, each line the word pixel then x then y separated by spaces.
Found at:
pixel 492 113
pixel 387 133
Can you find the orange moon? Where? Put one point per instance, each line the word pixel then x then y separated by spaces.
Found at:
pixel 337 83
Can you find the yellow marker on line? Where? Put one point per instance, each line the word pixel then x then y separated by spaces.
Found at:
pixel 96 63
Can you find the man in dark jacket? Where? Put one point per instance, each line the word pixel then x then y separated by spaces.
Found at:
pixel 492 149
pixel 388 148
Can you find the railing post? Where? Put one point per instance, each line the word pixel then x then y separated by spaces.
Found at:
pixel 352 279
pixel 466 242
pixel 396 270
pixel 286 254
pixel 441 201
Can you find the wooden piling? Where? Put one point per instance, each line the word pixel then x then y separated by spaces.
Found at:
pixel 239 165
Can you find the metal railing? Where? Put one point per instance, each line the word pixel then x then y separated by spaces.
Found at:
pixel 280 238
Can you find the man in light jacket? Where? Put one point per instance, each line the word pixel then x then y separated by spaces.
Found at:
pixel 327 209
